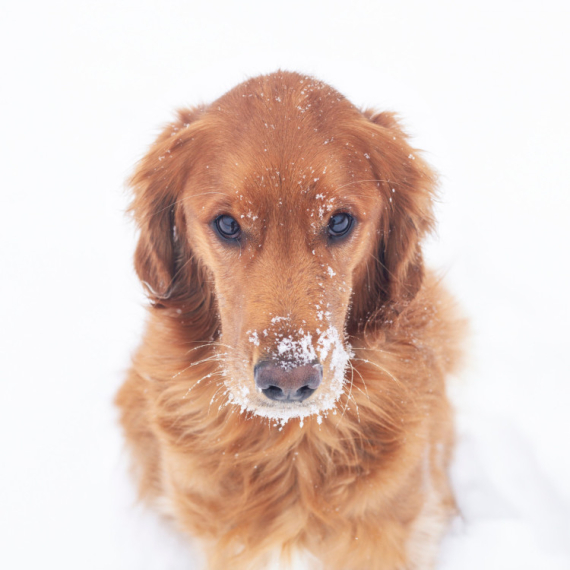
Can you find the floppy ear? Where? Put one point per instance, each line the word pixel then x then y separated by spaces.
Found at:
pixel 163 260
pixel 406 184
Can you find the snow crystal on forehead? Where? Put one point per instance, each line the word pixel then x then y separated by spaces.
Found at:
pixel 279 319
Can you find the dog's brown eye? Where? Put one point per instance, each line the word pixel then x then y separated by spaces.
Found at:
pixel 340 224
pixel 227 227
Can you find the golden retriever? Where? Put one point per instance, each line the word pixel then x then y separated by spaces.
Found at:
pixel 288 399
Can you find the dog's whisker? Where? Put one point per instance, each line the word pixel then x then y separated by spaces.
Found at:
pixel 221 391
pixel 213 358
pixel 203 345
pixel 354 369
pixel 199 381
pixel 347 399
pixel 387 372
pixel 350 395
pixel 357 409
pixel 373 350
pixel 211 344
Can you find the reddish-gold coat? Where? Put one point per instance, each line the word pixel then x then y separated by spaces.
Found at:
pixel 363 484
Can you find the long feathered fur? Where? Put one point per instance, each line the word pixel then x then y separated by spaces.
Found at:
pixel 363 486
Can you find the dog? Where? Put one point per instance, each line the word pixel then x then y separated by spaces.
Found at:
pixel 288 401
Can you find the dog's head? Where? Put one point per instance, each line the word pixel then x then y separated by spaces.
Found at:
pixel 278 221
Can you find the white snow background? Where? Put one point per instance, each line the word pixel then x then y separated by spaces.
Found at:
pixel 483 87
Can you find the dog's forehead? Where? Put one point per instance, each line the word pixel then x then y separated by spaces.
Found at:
pixel 281 143
pixel 281 97
pixel 291 123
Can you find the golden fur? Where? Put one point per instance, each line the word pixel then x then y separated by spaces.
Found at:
pixel 356 481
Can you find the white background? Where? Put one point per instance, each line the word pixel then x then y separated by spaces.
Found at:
pixel 483 87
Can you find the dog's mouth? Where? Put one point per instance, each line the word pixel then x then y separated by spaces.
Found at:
pixel 303 377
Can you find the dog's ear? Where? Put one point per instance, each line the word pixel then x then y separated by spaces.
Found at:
pixel 395 272
pixel 163 260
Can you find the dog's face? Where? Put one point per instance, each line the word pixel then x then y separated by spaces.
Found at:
pixel 287 217
pixel 282 232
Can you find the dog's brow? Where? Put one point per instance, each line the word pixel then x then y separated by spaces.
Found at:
pixel 362 182
pixel 152 214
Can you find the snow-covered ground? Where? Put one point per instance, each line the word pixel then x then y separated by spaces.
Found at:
pixel 484 89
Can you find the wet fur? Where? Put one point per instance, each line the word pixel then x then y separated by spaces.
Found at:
pixel 363 486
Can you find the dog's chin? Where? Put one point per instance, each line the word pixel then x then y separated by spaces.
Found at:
pixel 322 402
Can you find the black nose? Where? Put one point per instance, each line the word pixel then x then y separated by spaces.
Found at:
pixel 285 382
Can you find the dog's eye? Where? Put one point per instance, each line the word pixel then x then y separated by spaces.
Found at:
pixel 227 227
pixel 340 224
